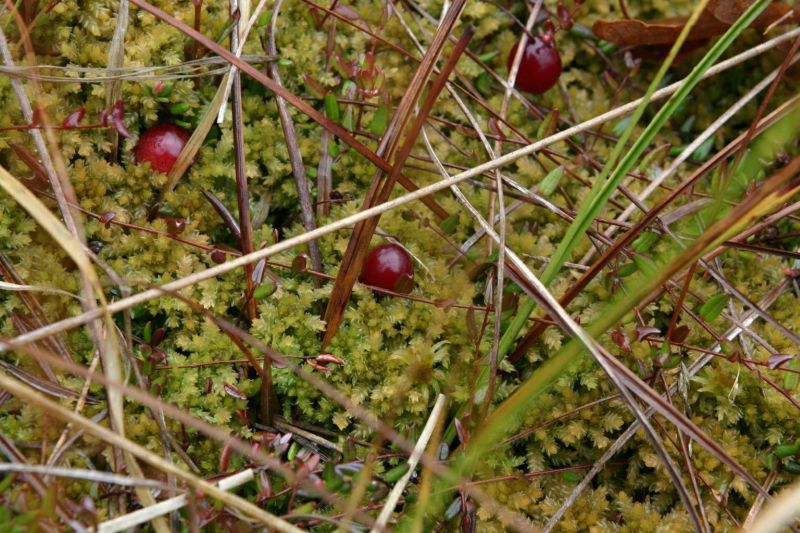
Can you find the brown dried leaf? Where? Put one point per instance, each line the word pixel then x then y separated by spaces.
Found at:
pixel 718 16
pixel 679 334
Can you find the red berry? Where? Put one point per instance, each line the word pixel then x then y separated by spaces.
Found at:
pixel 161 145
pixel 539 67
pixel 388 266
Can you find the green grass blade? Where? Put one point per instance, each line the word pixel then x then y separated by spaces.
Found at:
pixel 608 181
pixel 771 194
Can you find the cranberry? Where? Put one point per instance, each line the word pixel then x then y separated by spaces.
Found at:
pixel 540 66
pixel 161 145
pixel 388 266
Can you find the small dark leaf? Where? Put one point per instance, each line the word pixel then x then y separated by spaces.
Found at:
pixel 107 217
pixel 312 462
pixel 679 334
pixel 348 469
pixel 791 272
pixel 218 256
pixel 300 263
pixel 453 509
pixel 469 521
pixel 33 164
pixel 347 12
pixel 463 433
pixel 443 451
pixel 225 457
pixel 264 485
pixel 510 301
pixel 73 120
pixel 404 284
pixel 326 358
pixel 158 336
pixel 234 392
pixel 117 116
pixel 621 340
pixel 317 366
pixel 472 326
pixel 644 332
pixel 175 225
pixel 793 467
pixel 778 360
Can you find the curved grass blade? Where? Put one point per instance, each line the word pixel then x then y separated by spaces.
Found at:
pixel 771 194
pixel 608 181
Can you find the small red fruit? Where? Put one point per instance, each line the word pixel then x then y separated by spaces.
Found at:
pixel 539 67
pixel 388 266
pixel 161 145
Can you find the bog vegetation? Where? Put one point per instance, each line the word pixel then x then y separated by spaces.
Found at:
pixel 587 317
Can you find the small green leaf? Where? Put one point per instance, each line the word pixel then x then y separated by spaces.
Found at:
pixel 620 127
pixel 646 266
pixel 792 467
pixel 333 149
pixel 179 109
pixel 284 62
pixel 548 185
pixel 484 83
pixel 7 481
pixel 704 150
pixel 644 242
pixel 332 107
pixel 379 120
pixel 396 473
pixel 548 125
pixel 263 290
pixel 606 47
pixel 513 288
pixel 790 379
pixel 626 270
pixel 786 450
pixel 147 334
pixel 572 477
pixel 487 56
pixel 713 307
pixel 347 122
pixel 450 224
pixel 294 449
pixel 263 19
pixel 166 91
pixel 332 482
pixel 687 125
pixel 306 508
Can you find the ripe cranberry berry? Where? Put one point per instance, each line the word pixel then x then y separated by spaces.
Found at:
pixel 539 67
pixel 388 266
pixel 161 145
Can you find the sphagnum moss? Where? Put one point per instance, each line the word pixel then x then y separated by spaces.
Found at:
pixel 391 347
